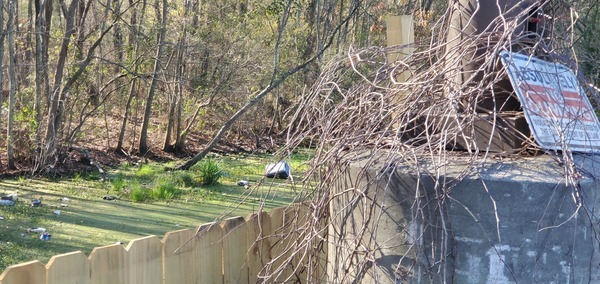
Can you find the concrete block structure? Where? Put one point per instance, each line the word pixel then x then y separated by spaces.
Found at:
pixel 497 222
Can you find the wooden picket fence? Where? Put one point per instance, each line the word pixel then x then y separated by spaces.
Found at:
pixel 234 251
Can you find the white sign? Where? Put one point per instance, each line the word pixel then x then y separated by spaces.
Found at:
pixel 555 106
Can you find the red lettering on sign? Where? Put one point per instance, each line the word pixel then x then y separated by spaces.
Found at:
pixel 551 103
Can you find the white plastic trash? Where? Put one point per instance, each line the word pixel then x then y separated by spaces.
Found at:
pixel 37 230
pixel 7 202
pixel 280 169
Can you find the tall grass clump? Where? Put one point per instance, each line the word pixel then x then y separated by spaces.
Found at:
pixel 184 179
pixel 209 172
pixel 165 188
pixel 137 192
pixel 118 183
pixel 147 172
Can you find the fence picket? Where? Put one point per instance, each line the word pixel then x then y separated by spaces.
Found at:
pixel 32 272
pixel 68 268
pixel 235 269
pixel 281 247
pixel 108 265
pixel 210 249
pixel 259 228
pixel 145 260
pixel 302 217
pixel 180 257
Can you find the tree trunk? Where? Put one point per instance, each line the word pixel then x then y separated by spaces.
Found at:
pixel 48 9
pixel 30 28
pixel 1 55
pixel 12 78
pixel 40 75
pixel 132 41
pixel 126 115
pixel 174 124
pixel 56 104
pixel 118 34
pixel 143 147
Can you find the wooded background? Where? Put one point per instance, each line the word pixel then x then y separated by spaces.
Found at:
pixel 135 77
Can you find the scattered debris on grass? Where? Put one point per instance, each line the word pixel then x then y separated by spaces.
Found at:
pixel 37 230
pixel 45 236
pixel 109 197
pixel 11 197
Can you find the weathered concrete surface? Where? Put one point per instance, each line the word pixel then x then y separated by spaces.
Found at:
pixel 503 222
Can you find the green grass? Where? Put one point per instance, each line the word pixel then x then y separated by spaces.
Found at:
pixel 151 202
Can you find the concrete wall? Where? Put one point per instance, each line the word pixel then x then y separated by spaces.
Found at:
pixel 508 222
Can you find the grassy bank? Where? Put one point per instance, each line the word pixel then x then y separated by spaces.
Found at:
pixel 86 220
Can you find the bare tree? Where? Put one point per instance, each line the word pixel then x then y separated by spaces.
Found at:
pixel 276 79
pixel 143 146
pixel 12 10
pixel 176 98
pixel 132 41
pixel 41 78
pixel 55 111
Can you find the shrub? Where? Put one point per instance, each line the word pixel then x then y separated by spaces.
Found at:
pixel 209 172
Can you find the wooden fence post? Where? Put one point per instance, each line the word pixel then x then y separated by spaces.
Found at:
pixel 68 268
